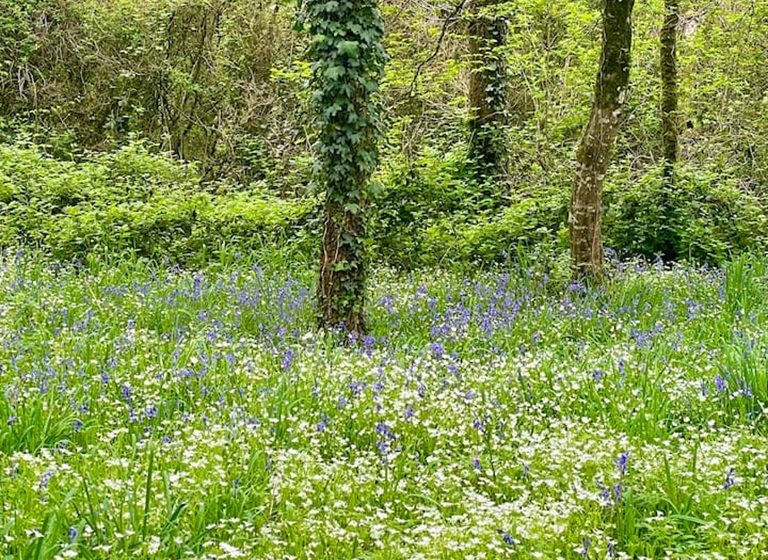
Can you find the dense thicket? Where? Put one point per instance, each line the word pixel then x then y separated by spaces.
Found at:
pixel 222 84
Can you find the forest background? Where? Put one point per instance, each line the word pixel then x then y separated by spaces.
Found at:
pixel 182 130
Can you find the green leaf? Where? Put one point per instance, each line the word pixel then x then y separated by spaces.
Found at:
pixel 349 48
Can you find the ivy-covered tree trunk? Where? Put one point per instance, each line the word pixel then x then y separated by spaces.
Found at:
pixel 488 86
pixel 594 152
pixel 347 61
pixel 669 97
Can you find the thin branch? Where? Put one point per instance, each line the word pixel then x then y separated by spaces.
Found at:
pixel 451 17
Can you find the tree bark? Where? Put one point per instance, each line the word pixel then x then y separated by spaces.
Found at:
pixel 487 91
pixel 594 152
pixel 341 287
pixel 669 95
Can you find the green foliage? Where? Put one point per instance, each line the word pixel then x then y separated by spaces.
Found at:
pixel 347 62
pixel 706 217
pixel 132 201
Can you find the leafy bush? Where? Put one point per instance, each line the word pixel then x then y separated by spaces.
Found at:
pixel 131 201
pixel 413 195
pixel 527 223
pixel 705 217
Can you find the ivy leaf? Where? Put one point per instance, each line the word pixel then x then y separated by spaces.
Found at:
pixel 349 48
pixel 334 72
pixel 352 208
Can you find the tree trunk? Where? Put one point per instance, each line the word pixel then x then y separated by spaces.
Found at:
pixel 669 116
pixel 594 152
pixel 341 287
pixel 347 59
pixel 487 91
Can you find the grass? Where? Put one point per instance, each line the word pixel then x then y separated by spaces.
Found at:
pixel 157 413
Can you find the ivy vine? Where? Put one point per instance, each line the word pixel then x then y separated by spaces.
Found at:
pixel 347 62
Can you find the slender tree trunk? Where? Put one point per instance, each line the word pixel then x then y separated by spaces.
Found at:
pixel 487 91
pixel 594 152
pixel 669 97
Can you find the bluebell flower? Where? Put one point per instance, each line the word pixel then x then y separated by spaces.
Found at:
pixel 126 391
pixel 322 425
pixel 622 462
pixel 506 537
pixel 617 492
pixel 72 534
pixel 730 478
pixel 478 424
pixel 605 494
pixel 476 464
pixel 409 412
pixel 288 356
pixel 45 479
pixel 437 349
pixel 720 383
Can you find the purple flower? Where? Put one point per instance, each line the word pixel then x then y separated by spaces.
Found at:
pixel 383 430
pixel 720 384
pixel 585 549
pixel 597 375
pixel 617 492
pixel 605 494
pixel 744 388
pixel 368 343
pixel 13 419
pixel 288 356
pixel 409 412
pixel 506 537
pixel 730 478
pixel 72 534
pixel 150 412
pixel 126 391
pixel 45 479
pixel 476 464
pixel 383 446
pixel 622 462
pixel 77 425
pixel 438 350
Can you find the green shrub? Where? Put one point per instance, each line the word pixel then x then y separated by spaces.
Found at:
pixel 527 224
pixel 706 217
pixel 412 196
pixel 132 201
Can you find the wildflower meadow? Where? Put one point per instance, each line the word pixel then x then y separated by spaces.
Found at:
pixel 150 412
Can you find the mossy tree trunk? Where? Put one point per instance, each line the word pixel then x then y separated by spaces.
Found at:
pixel 594 152
pixel 669 94
pixel 488 85
pixel 347 61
